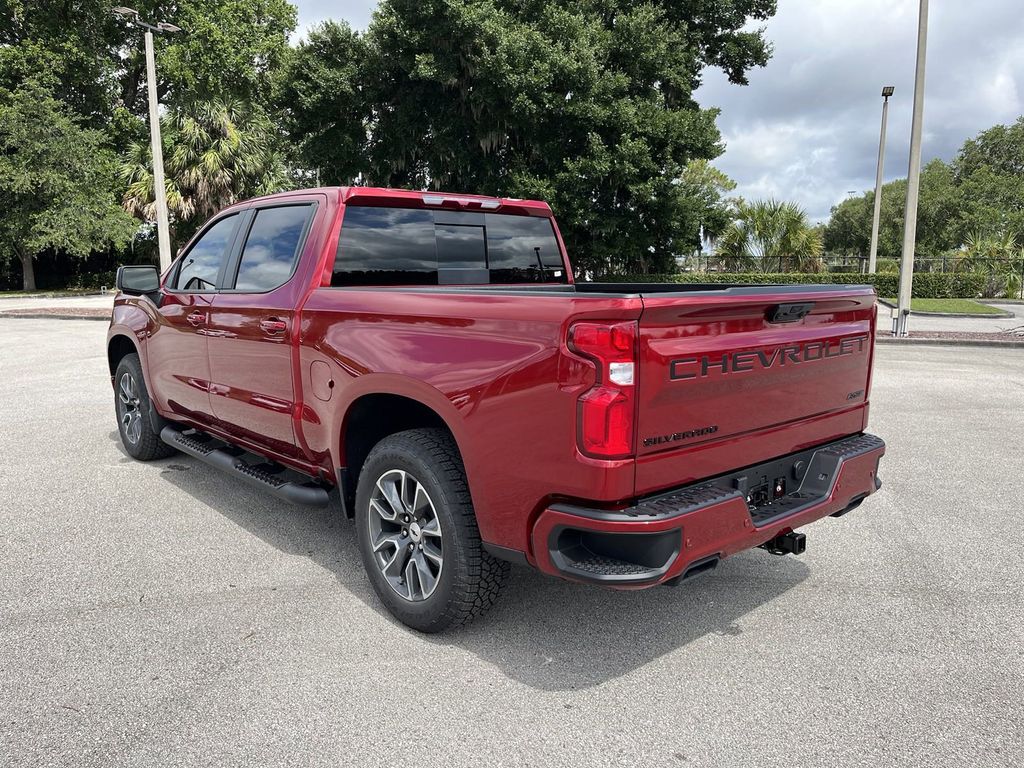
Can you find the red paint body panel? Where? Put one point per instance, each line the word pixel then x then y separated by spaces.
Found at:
pixel 703 366
pixel 494 367
pixel 252 345
pixel 493 363
pixel 178 364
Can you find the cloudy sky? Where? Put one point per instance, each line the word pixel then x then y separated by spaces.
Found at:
pixel 806 128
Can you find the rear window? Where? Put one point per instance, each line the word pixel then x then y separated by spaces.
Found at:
pixel 407 246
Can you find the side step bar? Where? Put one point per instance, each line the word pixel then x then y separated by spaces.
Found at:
pixel 199 447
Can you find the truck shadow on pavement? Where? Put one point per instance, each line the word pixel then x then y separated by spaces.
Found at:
pixel 544 632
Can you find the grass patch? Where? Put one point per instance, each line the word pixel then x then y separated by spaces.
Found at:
pixel 953 306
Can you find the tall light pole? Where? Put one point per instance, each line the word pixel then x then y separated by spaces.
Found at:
pixel 163 235
pixel 913 179
pixel 887 91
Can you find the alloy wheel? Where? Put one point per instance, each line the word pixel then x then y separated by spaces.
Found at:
pixel 405 535
pixel 128 404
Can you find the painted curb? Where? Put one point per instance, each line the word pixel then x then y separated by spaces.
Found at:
pixel 1009 344
pixel 28 315
pixel 53 295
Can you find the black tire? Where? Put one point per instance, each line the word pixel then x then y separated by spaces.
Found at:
pixel 468 579
pixel 132 406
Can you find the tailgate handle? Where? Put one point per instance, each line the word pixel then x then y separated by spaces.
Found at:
pixel 789 313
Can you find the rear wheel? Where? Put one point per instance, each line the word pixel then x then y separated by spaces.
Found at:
pixel 418 535
pixel 132 405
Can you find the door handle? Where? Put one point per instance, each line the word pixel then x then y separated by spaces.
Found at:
pixel 273 326
pixel 197 318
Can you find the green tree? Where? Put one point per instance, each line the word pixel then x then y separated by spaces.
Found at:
pixel 989 174
pixel 770 236
pixel 707 188
pixel 846 233
pixel 848 230
pixel 216 153
pixel 69 46
pixel 978 197
pixel 322 103
pixel 587 105
pixel 1000 148
pixel 57 182
pixel 94 61
pixel 997 257
pixel 230 51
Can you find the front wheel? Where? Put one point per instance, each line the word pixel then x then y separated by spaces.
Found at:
pixel 418 535
pixel 131 403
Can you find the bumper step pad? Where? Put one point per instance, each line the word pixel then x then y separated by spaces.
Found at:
pixel 822 465
pixel 597 565
pixel 640 544
pixel 818 479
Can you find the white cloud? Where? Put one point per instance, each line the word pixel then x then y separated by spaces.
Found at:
pixel 806 128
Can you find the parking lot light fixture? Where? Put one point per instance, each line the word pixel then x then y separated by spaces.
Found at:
pixel 163 235
pixel 913 178
pixel 887 91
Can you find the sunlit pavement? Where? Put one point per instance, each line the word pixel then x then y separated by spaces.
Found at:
pixel 163 614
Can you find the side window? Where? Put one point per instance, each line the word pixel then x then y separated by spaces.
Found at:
pixel 523 249
pixel 271 248
pixel 201 265
pixel 386 246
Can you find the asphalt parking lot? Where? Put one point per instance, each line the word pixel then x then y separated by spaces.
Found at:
pixel 164 615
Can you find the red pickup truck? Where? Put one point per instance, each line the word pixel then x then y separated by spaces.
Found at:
pixel 427 363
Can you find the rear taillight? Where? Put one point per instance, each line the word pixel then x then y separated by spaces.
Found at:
pixel 605 428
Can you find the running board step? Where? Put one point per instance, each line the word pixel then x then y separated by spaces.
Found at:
pixel 200 447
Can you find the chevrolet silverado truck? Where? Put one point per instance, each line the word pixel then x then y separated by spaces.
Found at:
pixel 426 363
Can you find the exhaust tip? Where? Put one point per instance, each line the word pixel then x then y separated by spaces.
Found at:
pixel 696 568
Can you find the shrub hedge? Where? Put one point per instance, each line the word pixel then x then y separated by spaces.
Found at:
pixel 93 281
pixel 927 285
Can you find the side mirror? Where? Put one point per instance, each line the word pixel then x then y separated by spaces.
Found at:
pixel 138 280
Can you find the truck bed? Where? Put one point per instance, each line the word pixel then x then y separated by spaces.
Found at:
pixel 629 290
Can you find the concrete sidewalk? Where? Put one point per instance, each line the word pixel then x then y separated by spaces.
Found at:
pixel 959 324
pixel 94 301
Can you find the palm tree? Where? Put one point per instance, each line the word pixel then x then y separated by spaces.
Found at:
pixel 768 236
pixel 216 154
pixel 997 257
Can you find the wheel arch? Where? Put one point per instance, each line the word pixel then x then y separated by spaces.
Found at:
pixel 119 346
pixel 370 418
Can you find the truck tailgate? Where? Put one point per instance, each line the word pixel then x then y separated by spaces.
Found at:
pixel 733 377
